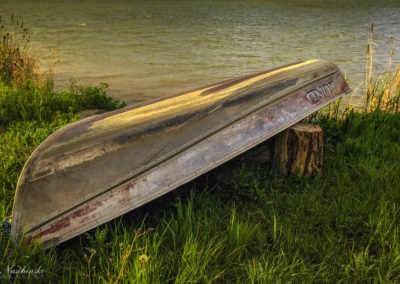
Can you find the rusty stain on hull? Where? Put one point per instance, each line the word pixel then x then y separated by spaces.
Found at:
pixel 97 169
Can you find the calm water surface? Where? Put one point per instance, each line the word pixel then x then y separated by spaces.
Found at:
pixel 148 49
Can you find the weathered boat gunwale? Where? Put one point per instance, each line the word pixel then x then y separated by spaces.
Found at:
pixel 189 177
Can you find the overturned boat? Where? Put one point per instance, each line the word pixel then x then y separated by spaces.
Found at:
pixel 99 168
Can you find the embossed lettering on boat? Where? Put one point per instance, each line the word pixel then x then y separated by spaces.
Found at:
pixel 326 90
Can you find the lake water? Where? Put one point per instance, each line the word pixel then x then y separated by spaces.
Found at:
pixel 148 49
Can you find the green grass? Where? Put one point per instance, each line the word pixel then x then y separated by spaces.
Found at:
pixel 257 227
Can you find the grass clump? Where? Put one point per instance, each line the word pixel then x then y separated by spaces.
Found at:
pixel 343 226
pixel 43 104
pixel 17 65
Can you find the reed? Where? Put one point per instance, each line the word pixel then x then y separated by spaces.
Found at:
pixel 17 65
pixel 380 93
pixel 383 93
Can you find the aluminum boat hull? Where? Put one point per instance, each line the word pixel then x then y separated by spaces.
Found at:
pixel 99 168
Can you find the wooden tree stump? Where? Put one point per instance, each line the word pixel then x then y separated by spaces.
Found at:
pixel 299 149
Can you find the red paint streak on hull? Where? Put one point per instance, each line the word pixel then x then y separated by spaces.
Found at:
pixel 125 196
pixel 66 222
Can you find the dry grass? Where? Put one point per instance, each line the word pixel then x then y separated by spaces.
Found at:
pixel 18 67
pixel 380 93
pixel 383 93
